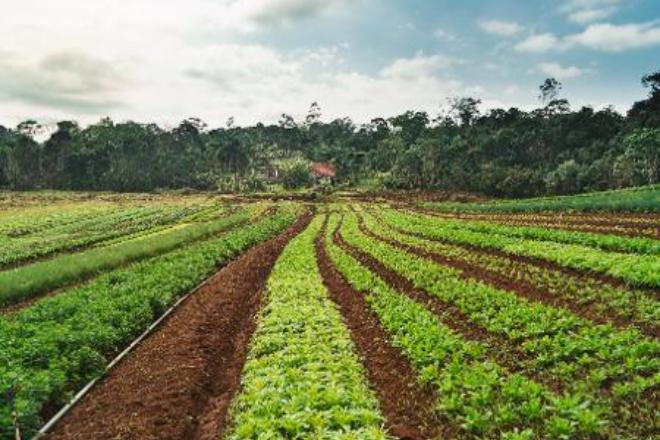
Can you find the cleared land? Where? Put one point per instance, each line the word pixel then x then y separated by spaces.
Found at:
pixel 333 320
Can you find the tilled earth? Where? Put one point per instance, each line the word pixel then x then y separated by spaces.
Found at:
pixel 179 382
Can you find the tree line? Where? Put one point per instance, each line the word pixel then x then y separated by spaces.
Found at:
pixel 502 152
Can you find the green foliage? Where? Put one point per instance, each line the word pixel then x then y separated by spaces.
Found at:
pixel 302 378
pixel 640 162
pixel 27 281
pixel 480 395
pixel 27 238
pixel 615 243
pixel 644 199
pixel 637 270
pixel 632 304
pixel 49 350
pixel 295 174
pixel 582 355
pixel 502 152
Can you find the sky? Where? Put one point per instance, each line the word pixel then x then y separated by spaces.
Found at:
pixel 166 60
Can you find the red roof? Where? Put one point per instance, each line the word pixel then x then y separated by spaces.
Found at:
pixel 323 169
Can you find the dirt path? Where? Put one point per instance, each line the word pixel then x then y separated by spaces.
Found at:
pixel 407 406
pixel 179 382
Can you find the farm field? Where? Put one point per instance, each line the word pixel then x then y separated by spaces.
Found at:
pixel 335 318
pixel 637 199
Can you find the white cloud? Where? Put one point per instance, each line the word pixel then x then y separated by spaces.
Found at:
pixel 538 43
pixel 560 72
pixel 587 11
pixel 502 28
pixel 604 37
pixel 419 66
pixel 615 38
pixel 163 60
pixel 588 15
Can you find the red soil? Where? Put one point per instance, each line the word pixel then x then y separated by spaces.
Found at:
pixel 180 381
pixel 519 287
pixel 408 407
pixel 502 350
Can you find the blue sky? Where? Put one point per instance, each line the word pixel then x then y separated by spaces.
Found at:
pixel 165 60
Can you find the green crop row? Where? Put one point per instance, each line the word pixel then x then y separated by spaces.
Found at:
pixel 28 281
pixel 200 215
pixel 636 305
pixel 302 379
pixel 631 227
pixel 639 270
pixel 49 350
pixel 89 232
pixel 616 243
pixel 21 222
pixel 583 356
pixel 474 392
pixel 643 199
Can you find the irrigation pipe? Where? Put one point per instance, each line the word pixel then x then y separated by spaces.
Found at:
pixel 62 412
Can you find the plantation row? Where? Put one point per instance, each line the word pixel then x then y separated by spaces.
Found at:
pixel 640 199
pixel 27 281
pixel 506 331
pixel 590 255
pixel 643 226
pixel 563 377
pixel 590 296
pixel 47 351
pixel 639 245
pixel 80 233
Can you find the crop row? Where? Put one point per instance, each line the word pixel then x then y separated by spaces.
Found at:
pixel 626 219
pixel 639 199
pixel 49 349
pixel 17 223
pixel 632 305
pixel 474 392
pixel 640 270
pixel 199 215
pixel 616 243
pixel 28 281
pixel 649 231
pixel 583 356
pixel 302 378
pixel 88 232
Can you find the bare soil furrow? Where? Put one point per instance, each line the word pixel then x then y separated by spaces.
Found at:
pixel 519 287
pixel 408 407
pixel 500 349
pixel 539 262
pixel 180 381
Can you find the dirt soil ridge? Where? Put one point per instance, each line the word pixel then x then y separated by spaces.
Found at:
pixel 180 381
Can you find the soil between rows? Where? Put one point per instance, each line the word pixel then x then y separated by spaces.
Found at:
pixel 519 287
pixel 622 220
pixel 561 223
pixel 536 261
pixel 408 407
pixel 500 349
pixel 179 383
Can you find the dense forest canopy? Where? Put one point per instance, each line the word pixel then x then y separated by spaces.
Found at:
pixel 502 152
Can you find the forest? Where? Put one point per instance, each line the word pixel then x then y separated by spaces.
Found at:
pixel 550 150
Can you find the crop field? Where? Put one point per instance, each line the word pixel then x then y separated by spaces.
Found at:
pixel 201 317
